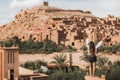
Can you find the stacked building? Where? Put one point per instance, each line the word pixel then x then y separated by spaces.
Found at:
pixel 68 27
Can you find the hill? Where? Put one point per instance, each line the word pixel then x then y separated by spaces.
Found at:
pixel 69 27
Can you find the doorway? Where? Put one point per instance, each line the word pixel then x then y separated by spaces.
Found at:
pixel 12 74
pixel 73 44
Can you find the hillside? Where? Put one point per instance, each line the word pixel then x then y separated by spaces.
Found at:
pixel 59 25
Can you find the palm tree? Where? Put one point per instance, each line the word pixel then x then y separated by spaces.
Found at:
pixel 60 60
pixel 101 61
pixel 85 57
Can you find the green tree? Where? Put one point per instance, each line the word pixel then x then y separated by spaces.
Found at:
pixel 102 67
pixel 113 73
pixel 101 61
pixel 85 57
pixel 7 43
pixel 34 65
pixel 49 46
pixel 84 48
pixel 61 75
pixel 71 49
pixel 60 60
pixel 116 48
pixel 15 40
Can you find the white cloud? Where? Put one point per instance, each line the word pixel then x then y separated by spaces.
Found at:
pixel 108 4
pixel 25 3
pixel 99 8
pixel 105 7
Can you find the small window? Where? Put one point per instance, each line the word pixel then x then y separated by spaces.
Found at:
pixel 73 43
pixel 46 36
pixel 8 57
pixel 23 37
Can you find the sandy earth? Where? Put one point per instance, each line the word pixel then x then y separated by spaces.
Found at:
pixel 76 60
pixel 49 57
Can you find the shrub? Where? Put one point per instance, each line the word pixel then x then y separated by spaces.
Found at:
pixel 60 60
pixel 85 57
pixel 117 63
pixel 34 65
pixel 109 49
pixel 71 49
pixel 12 41
pixel 101 71
pixel 101 66
pixel 46 46
pixel 116 48
pixel 29 65
pixel 113 73
pixel 30 46
pixel 61 47
pixel 70 75
pixel 49 46
pixel 101 61
pixel 8 43
pixel 84 48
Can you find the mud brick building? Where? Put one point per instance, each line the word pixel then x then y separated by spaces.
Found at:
pixel 9 67
pixel 69 27
pixel 9 62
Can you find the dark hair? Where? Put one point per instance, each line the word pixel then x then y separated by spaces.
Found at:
pixel 92 48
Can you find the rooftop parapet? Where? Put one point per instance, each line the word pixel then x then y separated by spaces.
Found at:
pixel 45 4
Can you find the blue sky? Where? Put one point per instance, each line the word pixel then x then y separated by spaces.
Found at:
pixel 100 8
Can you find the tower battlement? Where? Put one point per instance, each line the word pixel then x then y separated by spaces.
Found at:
pixel 45 3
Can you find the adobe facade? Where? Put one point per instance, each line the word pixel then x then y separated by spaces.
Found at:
pixel 9 62
pixel 9 67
